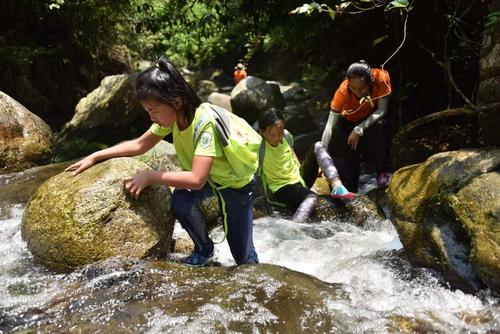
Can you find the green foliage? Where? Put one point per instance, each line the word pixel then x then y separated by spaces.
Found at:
pixel 55 4
pixel 189 32
pixel 350 7
pixel 492 20
pixel 397 4
pixel 87 25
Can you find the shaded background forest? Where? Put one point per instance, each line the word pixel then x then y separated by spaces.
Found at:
pixel 53 53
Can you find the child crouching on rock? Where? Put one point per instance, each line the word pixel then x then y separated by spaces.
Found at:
pixel 208 165
pixel 284 181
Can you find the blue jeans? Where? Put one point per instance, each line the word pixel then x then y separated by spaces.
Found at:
pixel 238 208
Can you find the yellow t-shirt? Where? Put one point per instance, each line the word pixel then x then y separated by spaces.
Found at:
pixel 208 145
pixel 280 166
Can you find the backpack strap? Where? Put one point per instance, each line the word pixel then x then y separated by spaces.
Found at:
pixel 262 151
pixel 222 123
pixel 204 119
pixel 219 118
pixel 289 138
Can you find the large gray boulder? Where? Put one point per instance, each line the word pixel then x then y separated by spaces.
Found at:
pixel 447 214
pixel 25 139
pixel 252 95
pixel 75 220
pixel 106 116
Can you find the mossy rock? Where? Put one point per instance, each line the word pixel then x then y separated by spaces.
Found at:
pixel 162 157
pixel 446 211
pixel 477 207
pixel 75 220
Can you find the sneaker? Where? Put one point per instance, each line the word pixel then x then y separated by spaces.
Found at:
pixel 196 260
pixel 341 192
pixel 383 180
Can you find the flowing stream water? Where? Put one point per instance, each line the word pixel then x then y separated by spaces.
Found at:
pixel 380 292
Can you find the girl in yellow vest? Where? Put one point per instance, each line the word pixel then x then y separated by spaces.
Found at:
pixel 174 107
pixel 285 182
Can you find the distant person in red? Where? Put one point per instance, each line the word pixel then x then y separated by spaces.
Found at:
pixel 239 73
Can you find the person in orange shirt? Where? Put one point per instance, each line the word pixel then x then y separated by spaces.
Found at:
pixel 239 73
pixel 358 108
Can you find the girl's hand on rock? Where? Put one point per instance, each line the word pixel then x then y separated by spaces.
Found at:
pixel 81 165
pixel 135 184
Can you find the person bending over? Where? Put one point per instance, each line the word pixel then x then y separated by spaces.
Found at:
pixel 174 107
pixel 358 108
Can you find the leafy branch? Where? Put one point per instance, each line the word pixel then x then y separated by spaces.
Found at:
pixel 351 7
pixel 357 7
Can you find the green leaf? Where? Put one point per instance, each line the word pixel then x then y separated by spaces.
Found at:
pixel 344 5
pixel 379 40
pixel 492 19
pixel 401 4
pixel 306 8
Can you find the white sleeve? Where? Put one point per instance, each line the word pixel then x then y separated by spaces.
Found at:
pixel 327 132
pixel 376 115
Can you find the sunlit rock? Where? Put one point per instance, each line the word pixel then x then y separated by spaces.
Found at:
pixel 75 220
pixel 446 211
pixel 106 116
pixel 221 100
pixel 358 211
pixel 25 139
pixel 161 157
pixel 252 96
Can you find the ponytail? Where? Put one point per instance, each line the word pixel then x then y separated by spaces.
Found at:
pixel 162 82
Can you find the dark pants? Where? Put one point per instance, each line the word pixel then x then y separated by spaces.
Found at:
pixel 292 195
pixel 238 205
pixel 347 160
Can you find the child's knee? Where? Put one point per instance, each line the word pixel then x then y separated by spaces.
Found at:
pixel 318 147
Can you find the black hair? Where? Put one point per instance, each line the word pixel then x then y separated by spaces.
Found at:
pixel 361 70
pixel 163 83
pixel 269 118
